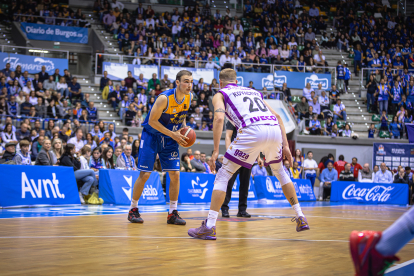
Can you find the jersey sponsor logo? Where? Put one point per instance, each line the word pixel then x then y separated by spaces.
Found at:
pixel 314 80
pixel 29 186
pixel 262 118
pixel 177 119
pixel 241 154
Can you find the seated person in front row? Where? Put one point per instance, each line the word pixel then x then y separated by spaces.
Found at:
pixel 125 160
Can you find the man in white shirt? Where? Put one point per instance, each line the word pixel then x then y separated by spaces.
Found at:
pixel 237 62
pixel 211 65
pixel 149 21
pixel 310 167
pixel 117 4
pixel 313 12
pixel 319 59
pixel 383 175
pixel 339 111
pixel 225 59
pixel 77 140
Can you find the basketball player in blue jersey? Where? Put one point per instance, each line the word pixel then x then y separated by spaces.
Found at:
pixel 161 135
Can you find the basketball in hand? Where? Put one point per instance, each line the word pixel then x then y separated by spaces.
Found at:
pixel 190 133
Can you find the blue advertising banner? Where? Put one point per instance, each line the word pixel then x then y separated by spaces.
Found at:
pixel 236 188
pixel 119 71
pixel 194 187
pixel 293 79
pixel 37 185
pixel 369 193
pixel 410 132
pixel 269 187
pixel 55 33
pixel 393 155
pixel 116 186
pixel 33 64
pixel 206 74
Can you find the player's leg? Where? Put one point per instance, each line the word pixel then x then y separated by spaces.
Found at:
pixel 225 206
pixel 146 159
pixel 170 162
pixel 380 248
pixel 244 191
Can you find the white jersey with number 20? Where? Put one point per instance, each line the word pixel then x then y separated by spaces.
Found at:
pixel 245 107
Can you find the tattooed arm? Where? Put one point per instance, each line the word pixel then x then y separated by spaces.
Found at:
pixel 219 109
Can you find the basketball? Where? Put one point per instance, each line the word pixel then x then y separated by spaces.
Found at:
pixel 190 133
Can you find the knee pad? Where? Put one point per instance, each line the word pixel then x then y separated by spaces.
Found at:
pixel 222 180
pixel 280 173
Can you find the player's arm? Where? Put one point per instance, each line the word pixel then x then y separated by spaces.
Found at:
pixel 285 144
pixel 159 106
pixel 219 110
pixel 184 124
pixel 229 133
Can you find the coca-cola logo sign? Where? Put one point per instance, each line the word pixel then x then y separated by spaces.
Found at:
pixel 377 193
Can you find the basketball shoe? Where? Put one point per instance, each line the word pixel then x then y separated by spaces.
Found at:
pixel 301 224
pixel 134 216
pixel 174 218
pixel 203 232
pixel 367 260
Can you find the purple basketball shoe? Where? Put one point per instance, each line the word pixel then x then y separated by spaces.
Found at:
pixel 301 224
pixel 203 232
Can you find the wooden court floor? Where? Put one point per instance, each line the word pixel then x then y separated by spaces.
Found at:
pixel 267 244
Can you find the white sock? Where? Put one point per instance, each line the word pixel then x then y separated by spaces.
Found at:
pixel 173 206
pixel 134 204
pixel 298 210
pixel 211 219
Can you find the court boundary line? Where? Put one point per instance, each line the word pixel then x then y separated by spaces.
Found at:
pixel 399 266
pixel 323 217
pixel 152 237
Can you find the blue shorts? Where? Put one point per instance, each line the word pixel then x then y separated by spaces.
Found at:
pixel 165 147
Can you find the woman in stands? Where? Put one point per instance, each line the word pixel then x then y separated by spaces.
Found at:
pixel 18 72
pixel 395 128
pixel 49 128
pixel 298 157
pixel 33 97
pixel 101 125
pixel 62 87
pixel 52 110
pixel 21 98
pixel 8 135
pixel 90 141
pixel 135 148
pixel 107 157
pixel 84 118
pixel 86 176
pixel 95 162
pixel 85 157
pixel 15 90
pixel 57 148
pixel 347 132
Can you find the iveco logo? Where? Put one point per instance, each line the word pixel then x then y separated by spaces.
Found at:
pixel 174 154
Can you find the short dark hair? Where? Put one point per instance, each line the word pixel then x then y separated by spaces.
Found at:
pixel 341 157
pixel 183 73
pixel 309 152
pixel 202 153
pixel 125 129
pixel 355 158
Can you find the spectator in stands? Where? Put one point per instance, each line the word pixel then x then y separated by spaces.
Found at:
pixel 372 87
pixel 310 167
pixel 125 160
pixel 75 89
pixel 10 152
pixel 46 157
pixel 346 174
pixel 328 175
pixel 57 148
pixel 107 157
pixel 365 174
pixel 104 81
pixel 152 83
pixel 123 106
pixel 309 36
pixel 296 171
pixel 340 164
pixel 23 132
pixel 259 170
pixel 401 177
pixel 24 79
pixel 43 75
pixel 22 157
pixel 37 145
pixel 77 141
pixel 339 111
pixel 205 164
pixel 6 71
pixel 13 108
pixel 8 135
pixel 186 163
pixel 165 83
pixel 355 167
pixel 307 92
pixel 49 84
pixel 142 84
pixel 315 125
pixel 313 12
pixel 25 106
pixel 383 175
pixel 302 108
pixel 196 162
pixel 347 131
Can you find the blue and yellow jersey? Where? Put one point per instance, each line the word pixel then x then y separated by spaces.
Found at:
pixel 173 116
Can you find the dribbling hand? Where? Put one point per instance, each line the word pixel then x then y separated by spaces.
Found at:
pixel 179 138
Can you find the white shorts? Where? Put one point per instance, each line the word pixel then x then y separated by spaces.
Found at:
pixel 252 140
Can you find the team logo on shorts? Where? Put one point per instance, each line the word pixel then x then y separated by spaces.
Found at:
pixel 174 154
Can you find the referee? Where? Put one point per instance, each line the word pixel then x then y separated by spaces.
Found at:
pixel 244 173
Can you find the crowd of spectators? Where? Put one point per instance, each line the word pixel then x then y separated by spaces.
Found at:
pixel 56 97
pixel 329 170
pixel 46 12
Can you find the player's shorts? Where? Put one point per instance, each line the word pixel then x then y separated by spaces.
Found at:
pixel 165 147
pixel 252 140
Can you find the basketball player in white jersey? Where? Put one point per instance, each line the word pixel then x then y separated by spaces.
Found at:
pixel 260 129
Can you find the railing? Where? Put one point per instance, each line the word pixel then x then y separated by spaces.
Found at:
pixel 39 52
pixel 17 120
pixel 365 72
pixel 53 18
